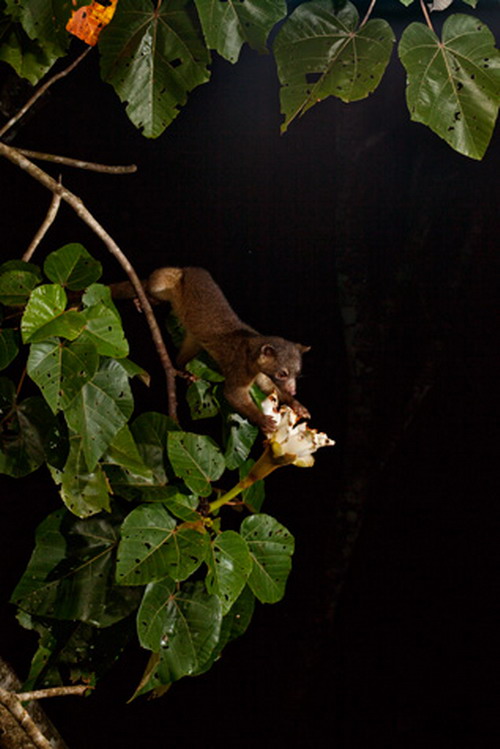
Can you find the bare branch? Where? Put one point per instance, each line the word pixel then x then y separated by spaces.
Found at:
pixel 426 15
pixel 40 92
pixel 11 702
pixel 47 223
pixel 78 163
pixel 41 694
pixel 78 206
pixel 368 13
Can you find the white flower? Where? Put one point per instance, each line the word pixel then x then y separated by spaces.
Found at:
pixel 292 442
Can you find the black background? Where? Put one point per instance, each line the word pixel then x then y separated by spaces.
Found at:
pixel 409 659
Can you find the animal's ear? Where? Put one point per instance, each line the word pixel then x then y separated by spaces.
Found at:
pixel 303 349
pixel 267 351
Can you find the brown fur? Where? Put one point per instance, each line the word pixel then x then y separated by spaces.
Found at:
pixel 243 355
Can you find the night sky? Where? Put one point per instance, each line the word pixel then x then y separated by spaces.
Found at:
pixel 408 660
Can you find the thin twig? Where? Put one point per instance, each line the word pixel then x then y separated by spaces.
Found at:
pixel 426 15
pixel 80 209
pixel 41 694
pixel 39 92
pixel 368 13
pixel 78 163
pixel 47 223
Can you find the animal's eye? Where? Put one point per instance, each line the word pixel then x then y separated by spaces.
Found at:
pixel 283 374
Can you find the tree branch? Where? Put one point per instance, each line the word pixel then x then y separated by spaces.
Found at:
pixel 78 163
pixel 368 13
pixel 78 206
pixel 21 716
pixel 41 694
pixel 426 15
pixel 42 231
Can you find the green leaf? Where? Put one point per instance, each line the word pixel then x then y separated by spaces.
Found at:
pixel 203 367
pixel 153 546
pixel 45 21
pixel 27 57
pixel 182 505
pixel 89 652
pixel 254 496
pixel 29 432
pixel 60 371
pixel 453 84
pixel 83 492
pixel 228 25
pixel 16 287
pixel 234 624
pixel 271 546
pixel 99 293
pixel 182 625
pixel 242 436
pixel 201 401
pixel 72 266
pixel 153 57
pixel 8 346
pixel 123 452
pixel 45 316
pixel 104 328
pixel 100 409
pixel 229 565
pixel 21 265
pixel 150 431
pixel 321 53
pixel 196 459
pixel 70 573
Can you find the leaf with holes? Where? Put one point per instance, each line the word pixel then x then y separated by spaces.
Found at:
pixel 103 327
pixel 321 53
pixel 240 438
pixel 70 573
pixel 201 401
pixel 16 283
pixel 72 266
pixel 271 547
pixel 229 565
pixel 196 459
pixel 60 371
pixel 183 626
pixel 29 433
pixel 453 84
pixel 100 409
pixel 153 546
pixel 228 25
pixel 84 492
pixel 45 316
pixel 153 57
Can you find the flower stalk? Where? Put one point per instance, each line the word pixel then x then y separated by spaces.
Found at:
pixel 290 443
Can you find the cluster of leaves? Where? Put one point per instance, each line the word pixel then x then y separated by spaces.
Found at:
pixel 135 548
pixel 155 52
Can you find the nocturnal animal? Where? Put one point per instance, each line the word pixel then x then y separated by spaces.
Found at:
pixel 243 355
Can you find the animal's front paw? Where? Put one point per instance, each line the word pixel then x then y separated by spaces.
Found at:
pixel 301 410
pixel 268 424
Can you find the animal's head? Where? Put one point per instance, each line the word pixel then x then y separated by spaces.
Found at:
pixel 281 361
